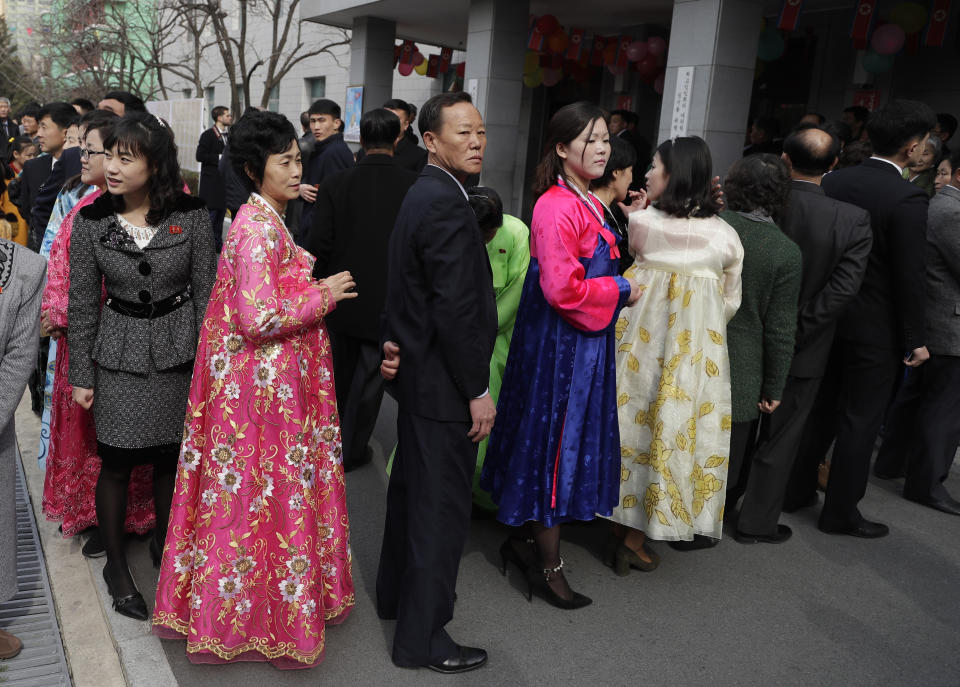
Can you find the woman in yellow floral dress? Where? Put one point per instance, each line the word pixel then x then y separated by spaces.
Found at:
pixel 673 375
pixel 257 557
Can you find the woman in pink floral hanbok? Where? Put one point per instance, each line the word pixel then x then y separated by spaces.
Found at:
pixel 257 558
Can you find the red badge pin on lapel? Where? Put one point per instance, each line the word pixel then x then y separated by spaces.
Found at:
pixel 176 229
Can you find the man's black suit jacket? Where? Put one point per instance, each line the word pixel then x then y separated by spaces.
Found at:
pixel 35 172
pixel 209 149
pixel 440 306
pixel 353 218
pixel 408 155
pixel 834 239
pixel 68 165
pixel 889 309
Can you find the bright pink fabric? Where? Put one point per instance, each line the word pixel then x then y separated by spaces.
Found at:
pixel 257 557
pixel 563 231
pixel 69 485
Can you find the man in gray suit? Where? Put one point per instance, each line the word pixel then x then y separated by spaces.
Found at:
pixel 923 429
pixel 22 275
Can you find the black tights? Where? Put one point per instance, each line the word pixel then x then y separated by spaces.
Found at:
pixel 111 500
pixel 547 541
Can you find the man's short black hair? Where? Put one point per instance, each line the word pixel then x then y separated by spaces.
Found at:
pixel 253 139
pixel 83 104
pixel 811 154
pixel 397 104
pixel 860 113
pixel 379 128
pixel 30 110
pixel 622 156
pixel 821 120
pixel 218 111
pixel 62 114
pixel 488 208
pixel 131 103
pixel 305 120
pixel 839 129
pixel 622 114
pixel 947 122
pixel 324 106
pixel 431 114
pixel 897 123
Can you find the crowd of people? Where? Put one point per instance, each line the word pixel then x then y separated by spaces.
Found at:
pixel 670 354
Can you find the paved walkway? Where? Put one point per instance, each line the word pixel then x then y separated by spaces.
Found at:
pixel 818 610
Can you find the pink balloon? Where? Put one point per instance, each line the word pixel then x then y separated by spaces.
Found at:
pixel 636 51
pixel 405 68
pixel 888 39
pixel 658 84
pixel 551 77
pixel 656 46
pixel 418 58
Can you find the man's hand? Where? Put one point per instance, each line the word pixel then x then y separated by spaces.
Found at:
pixel 483 411
pixel 308 192
pixel 917 357
pixel 768 406
pixel 391 361
pixel 83 397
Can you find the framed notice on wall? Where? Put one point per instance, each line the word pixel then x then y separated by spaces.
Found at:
pixel 681 102
pixel 352 112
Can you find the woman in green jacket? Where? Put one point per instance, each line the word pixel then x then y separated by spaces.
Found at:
pixel 760 337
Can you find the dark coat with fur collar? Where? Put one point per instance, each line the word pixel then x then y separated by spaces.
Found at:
pixel 139 368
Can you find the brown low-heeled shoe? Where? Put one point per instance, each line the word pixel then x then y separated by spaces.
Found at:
pixel 627 558
pixel 10 646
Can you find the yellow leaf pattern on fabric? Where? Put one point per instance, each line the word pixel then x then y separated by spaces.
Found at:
pixel 715 337
pixel 671 320
pixel 681 442
pixel 712 369
pixel 640 418
pixel 674 291
pixel 624 474
pixel 627 452
pixel 643 335
pixel 686 298
pixel 715 461
pixel 726 423
pixel 629 501
pixel 662 518
pixel 620 327
pixel 692 430
pixel 622 400
pixel 705 409
pixel 697 357
pixel 633 363
pixel 625 348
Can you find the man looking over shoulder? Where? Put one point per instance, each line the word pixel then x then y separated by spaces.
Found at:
pixel 330 155
pixel 441 318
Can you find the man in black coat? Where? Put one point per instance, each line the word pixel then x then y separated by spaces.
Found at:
pixel 209 149
pixel 8 129
pixel 407 154
pixel 834 240
pixel 353 218
pixel 441 315
pixel 330 155
pixel 883 329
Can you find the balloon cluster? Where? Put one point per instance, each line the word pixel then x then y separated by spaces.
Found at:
pixel 555 53
pixel 906 20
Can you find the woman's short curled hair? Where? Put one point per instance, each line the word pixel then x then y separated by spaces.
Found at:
pixel 758 182
pixel 253 139
pixel 689 191
pixel 145 136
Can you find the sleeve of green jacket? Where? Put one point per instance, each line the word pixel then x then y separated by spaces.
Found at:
pixel 780 323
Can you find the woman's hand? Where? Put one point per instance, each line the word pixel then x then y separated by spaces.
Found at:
pixel 638 201
pixel 47 328
pixel 718 193
pixel 635 292
pixel 341 286
pixel 83 397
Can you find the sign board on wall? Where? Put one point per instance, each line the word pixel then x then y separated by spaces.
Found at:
pixel 681 102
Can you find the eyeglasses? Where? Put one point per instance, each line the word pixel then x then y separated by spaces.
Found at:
pixel 87 154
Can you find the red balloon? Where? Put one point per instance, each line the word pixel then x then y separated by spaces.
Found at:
pixel 461 69
pixel 637 51
pixel 547 24
pixel 558 42
pixel 405 68
pixel 418 58
pixel 656 46
pixel 648 68
pixel 658 84
pixel 551 76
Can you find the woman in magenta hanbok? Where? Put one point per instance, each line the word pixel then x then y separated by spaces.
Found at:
pixel 72 464
pixel 257 557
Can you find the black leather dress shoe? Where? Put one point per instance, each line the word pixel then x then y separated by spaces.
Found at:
pixel 466 658
pixel 944 505
pixel 782 535
pixel 863 529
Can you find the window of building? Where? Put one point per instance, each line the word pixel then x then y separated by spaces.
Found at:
pixel 210 94
pixel 274 104
pixel 186 93
pixel 316 88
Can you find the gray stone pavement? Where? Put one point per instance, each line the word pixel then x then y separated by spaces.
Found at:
pixel 818 610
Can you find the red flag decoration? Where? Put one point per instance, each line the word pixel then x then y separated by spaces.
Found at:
pixel 939 17
pixel 446 54
pixel 535 38
pixel 867 99
pixel 432 63
pixel 790 15
pixel 576 44
pixel 622 60
pixel 862 21
pixel 596 55
pixel 406 52
pixel 610 50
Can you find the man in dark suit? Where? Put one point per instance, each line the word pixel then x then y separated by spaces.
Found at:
pixel 209 149
pixel 8 129
pixel 834 240
pixel 441 314
pixel 407 154
pixel 883 330
pixel 330 155
pixel 923 429
pixel 351 233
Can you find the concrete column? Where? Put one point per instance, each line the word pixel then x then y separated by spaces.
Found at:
pixel 718 38
pixel 371 60
pixel 496 43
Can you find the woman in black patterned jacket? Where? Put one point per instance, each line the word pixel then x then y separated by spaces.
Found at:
pixel 150 245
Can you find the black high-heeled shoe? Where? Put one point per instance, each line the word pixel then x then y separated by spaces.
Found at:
pixel 131 605
pixel 539 581
pixel 156 551
pixel 509 554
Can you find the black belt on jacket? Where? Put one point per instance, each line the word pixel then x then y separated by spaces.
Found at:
pixel 149 310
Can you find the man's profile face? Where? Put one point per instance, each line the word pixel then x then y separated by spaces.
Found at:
pixel 50 136
pixel 4 109
pixel 404 120
pixel 226 119
pixel 29 123
pixel 459 144
pixel 617 124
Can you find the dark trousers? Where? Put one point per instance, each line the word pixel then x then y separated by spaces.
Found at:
pixel 743 438
pixel 867 380
pixel 428 513
pixel 216 223
pixel 923 428
pixel 356 373
pixel 773 458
